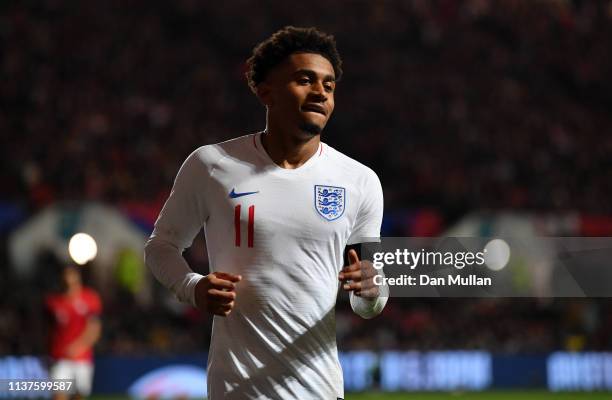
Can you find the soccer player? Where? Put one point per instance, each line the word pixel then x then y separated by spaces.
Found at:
pixel 279 208
pixel 76 328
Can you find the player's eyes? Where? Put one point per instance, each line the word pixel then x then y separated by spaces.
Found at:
pixel 304 80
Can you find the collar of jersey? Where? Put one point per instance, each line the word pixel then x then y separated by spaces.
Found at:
pixel 280 170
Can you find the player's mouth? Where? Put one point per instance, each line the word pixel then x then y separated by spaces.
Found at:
pixel 313 107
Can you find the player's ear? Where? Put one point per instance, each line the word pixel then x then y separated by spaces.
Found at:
pixel 264 94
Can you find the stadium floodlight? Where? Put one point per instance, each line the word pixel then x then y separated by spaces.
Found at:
pixel 82 248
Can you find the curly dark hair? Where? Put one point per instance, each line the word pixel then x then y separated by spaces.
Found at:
pixel 289 40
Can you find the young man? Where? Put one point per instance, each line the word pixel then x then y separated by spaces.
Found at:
pixel 279 209
pixel 76 328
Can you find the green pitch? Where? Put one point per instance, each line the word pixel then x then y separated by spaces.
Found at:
pixel 509 395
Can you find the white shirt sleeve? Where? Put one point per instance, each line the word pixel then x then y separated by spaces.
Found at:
pixel 370 214
pixel 367 229
pixel 180 220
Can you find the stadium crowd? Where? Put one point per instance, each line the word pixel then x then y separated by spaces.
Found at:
pixel 458 106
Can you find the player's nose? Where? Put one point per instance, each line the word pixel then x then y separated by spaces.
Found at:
pixel 317 91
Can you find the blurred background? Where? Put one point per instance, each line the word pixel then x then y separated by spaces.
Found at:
pixel 466 109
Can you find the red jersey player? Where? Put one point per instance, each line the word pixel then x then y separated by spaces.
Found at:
pixel 75 329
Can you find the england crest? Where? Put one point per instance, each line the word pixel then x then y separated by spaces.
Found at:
pixel 329 201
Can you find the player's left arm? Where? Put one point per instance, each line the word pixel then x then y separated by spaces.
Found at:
pixel 91 334
pixel 367 299
pixel 93 329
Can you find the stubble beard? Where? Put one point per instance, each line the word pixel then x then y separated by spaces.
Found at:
pixel 311 128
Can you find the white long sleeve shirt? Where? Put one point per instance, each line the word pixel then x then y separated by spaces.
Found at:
pixel 284 231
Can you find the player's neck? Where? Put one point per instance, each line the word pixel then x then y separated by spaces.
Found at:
pixel 288 151
pixel 73 290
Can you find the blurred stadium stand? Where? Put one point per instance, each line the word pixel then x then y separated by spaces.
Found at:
pixel 460 107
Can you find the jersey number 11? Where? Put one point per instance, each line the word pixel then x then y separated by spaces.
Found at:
pixel 251 225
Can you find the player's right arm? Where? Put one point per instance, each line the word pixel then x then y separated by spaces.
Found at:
pixel 181 218
pixel 216 293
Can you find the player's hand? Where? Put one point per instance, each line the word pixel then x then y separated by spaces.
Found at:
pixel 358 277
pixel 216 293
pixel 74 350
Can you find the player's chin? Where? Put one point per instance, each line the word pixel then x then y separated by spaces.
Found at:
pixel 311 128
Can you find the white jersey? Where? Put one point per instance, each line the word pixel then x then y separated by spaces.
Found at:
pixel 284 231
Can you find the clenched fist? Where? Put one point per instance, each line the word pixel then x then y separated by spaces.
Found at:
pixel 358 277
pixel 216 293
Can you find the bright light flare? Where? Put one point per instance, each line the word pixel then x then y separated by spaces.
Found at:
pixel 82 248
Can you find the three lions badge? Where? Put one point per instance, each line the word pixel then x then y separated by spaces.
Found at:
pixel 329 201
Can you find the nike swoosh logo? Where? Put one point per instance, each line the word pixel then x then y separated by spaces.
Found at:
pixel 234 195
